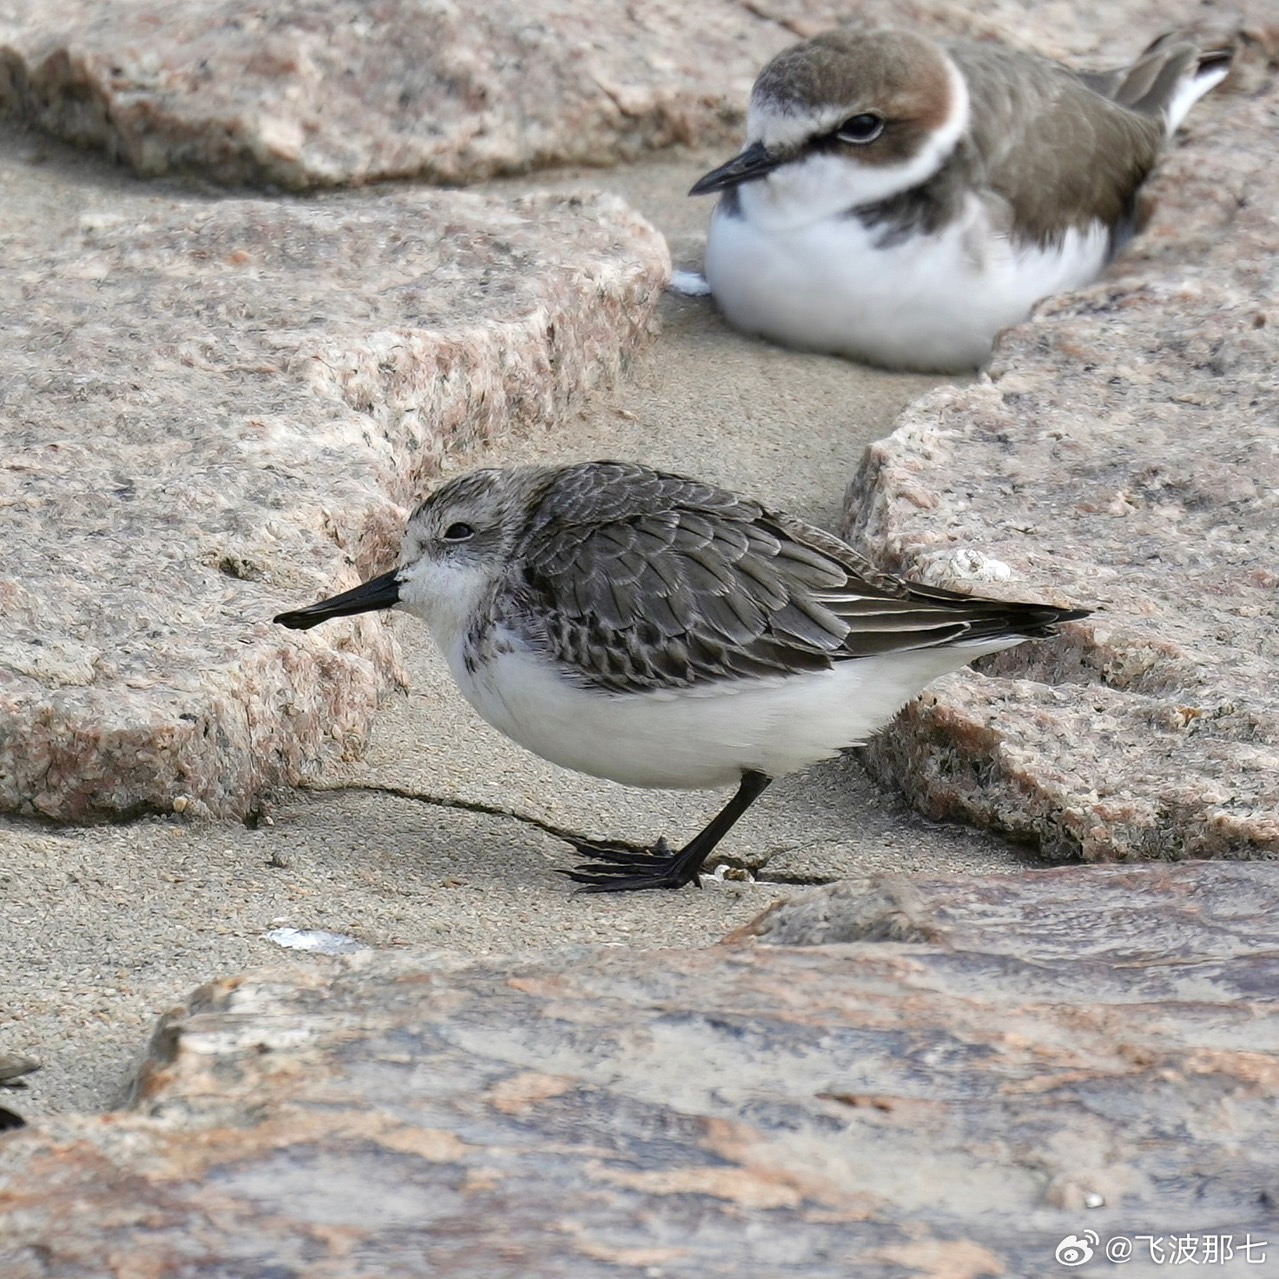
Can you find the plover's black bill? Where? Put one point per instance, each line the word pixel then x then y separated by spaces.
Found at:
pixel 378 592
pixel 754 162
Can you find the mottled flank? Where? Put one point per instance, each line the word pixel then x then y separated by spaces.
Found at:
pixel 959 1074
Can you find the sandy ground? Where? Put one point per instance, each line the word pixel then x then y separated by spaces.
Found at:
pixel 102 929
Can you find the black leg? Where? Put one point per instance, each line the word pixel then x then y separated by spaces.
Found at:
pixel 621 868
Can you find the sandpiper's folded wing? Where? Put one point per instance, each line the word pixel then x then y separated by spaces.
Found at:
pixel 634 581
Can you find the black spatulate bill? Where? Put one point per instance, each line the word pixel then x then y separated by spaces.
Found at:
pixel 376 593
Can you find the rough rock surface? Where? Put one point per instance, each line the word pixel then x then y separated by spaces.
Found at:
pixel 1047 1060
pixel 341 91
pixel 211 410
pixel 1124 454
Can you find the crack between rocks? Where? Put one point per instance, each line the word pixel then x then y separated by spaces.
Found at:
pixel 559 832
pixel 615 99
pixel 759 10
pixel 465 806
pixel 797 880
pixel 757 873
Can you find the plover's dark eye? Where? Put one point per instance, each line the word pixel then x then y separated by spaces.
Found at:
pixel 860 129
pixel 458 533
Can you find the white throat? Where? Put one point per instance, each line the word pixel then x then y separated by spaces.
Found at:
pixel 447 596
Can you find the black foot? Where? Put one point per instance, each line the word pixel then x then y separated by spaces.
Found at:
pixel 623 868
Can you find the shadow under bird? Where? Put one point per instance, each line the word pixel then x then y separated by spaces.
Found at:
pixel 662 632
pixel 900 199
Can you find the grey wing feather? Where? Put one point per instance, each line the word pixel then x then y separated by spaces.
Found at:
pixel 681 583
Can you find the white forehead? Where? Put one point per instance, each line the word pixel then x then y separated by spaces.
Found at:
pixel 781 126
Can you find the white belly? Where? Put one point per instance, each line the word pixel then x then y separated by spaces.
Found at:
pixel 931 302
pixel 690 740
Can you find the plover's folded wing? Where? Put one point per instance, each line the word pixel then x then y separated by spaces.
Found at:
pixel 674 584
pixel 1060 154
pixel 1171 75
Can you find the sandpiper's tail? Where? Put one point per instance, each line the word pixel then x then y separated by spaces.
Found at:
pixel 911 615
pixel 1171 75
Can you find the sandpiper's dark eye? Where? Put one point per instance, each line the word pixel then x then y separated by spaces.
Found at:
pixel 860 129
pixel 458 533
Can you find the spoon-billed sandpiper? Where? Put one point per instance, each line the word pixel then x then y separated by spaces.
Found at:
pixel 664 632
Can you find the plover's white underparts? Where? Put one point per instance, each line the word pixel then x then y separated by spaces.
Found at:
pixel 901 199
pixel 664 632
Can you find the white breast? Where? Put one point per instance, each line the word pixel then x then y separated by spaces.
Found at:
pixel 931 302
pixel 710 736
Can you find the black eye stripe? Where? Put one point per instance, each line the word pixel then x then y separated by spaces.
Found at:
pixel 458 532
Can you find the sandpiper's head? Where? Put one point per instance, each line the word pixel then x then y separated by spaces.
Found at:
pixel 846 119
pixel 454 550
pixel 457 545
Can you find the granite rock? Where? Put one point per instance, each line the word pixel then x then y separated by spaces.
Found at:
pixel 1124 454
pixel 341 91
pixel 1091 1049
pixel 338 92
pixel 211 410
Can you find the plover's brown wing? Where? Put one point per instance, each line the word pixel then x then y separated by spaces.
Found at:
pixel 635 581
pixel 1155 83
pixel 1058 153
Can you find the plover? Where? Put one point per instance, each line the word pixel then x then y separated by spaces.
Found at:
pixel 901 199
pixel 663 632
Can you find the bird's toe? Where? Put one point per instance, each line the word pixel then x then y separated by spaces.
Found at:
pixel 617 867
